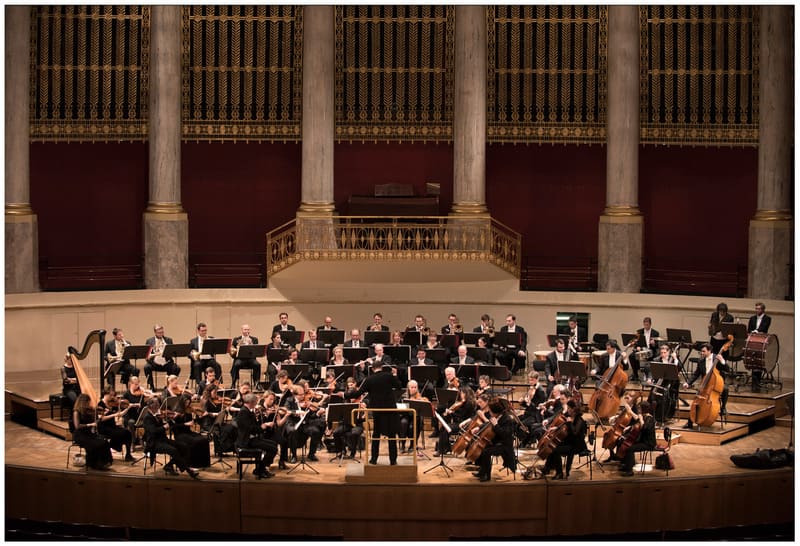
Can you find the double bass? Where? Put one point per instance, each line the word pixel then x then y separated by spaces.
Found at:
pixel 606 398
pixel 706 405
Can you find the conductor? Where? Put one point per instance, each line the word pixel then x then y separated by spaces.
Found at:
pixel 379 386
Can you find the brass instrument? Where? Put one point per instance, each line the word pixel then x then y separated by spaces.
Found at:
pixel 375 328
pixel 194 354
pixel 426 331
pixel 457 328
pixel 490 327
pixel 243 341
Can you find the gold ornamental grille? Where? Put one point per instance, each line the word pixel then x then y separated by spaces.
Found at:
pixel 89 73
pixel 402 239
pixel 242 73
pixel 394 73
pixel 547 73
pixel 699 75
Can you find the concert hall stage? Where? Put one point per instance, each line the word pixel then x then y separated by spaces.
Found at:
pixel 704 491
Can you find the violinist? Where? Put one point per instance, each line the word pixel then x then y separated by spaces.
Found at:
pixel 282 383
pixel 613 356
pixel 708 359
pixel 406 425
pixel 136 397
pixel 452 384
pixel 69 380
pixel 196 445
pixel 333 388
pixel 573 444
pixel 643 438
pixel 211 377
pixel 345 435
pixel 560 354
pixel 503 442
pixel 532 416
pixel 250 437
pixel 84 432
pixel 172 388
pixel 463 408
pixel 268 411
pixel 155 434
pixel 313 425
pixel 108 409
pixel 223 434
pixel 238 401
pixel 484 385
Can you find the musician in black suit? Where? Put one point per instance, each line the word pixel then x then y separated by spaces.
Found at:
pixel 462 357
pixel 157 362
pixel 355 339
pixel 202 362
pixel 513 356
pixel 502 443
pixel 155 437
pixel 645 342
pixel 327 325
pixel 709 358
pixel 486 325
pixel 452 324
pixel 560 354
pixel 312 342
pixel 250 436
pixel 244 363
pixel 719 316
pixel 283 325
pixel 759 323
pixel 613 356
pixel 380 388
pixel 377 324
pixel 113 351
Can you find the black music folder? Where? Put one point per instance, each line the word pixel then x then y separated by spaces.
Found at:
pixel 319 356
pixel 400 354
pixel 471 338
pixel 331 337
pixel 439 356
pixel 292 337
pixel 480 354
pixel 423 374
pixel 215 346
pixel 450 341
pixel 251 351
pixel 355 354
pixel 446 397
pixel 413 338
pixel 177 349
pixel 371 337
pixel 277 355
pixel 342 372
pixel 508 339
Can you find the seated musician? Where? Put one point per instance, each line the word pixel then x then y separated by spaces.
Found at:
pixel 136 397
pixel 664 394
pixel 250 436
pixel 200 361
pixel 338 358
pixel 463 408
pixel 484 343
pixel 113 354
pixel 758 323
pixel 708 359
pixel 327 324
pixel 630 400
pixel 355 339
pixel 422 360
pixel 486 326
pixel 155 435
pixel 419 324
pixel 560 354
pixel 69 381
pixel 172 388
pixel 513 356
pixel 377 324
pixel 646 440
pixel 196 445
pixel 502 443
pixel 462 357
pixel 244 363
pixel 645 347
pixel 345 435
pixel 310 428
pixel 84 433
pixel 157 362
pixel 532 415
pixel 406 423
pixel 612 356
pixel 108 409
pixel 282 383
pixel 555 404
pixel 452 383
pixel 275 417
pixel 432 342
pixel 484 385
pixel 210 378
pixel 573 444
pixel 224 434
pixel 397 338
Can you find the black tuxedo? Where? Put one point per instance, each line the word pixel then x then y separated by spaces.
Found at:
pixel 380 387
pixel 551 365
pixel 642 344
pixel 199 366
pixel 369 328
pixel 307 345
pixel 250 436
pixel 323 328
pixel 245 363
pixel 126 368
pixel 467 360
pixel 605 364
pixel 583 335
pixel 170 367
pixel 415 362
pixel 279 328
pixel 509 356
pixel 766 320
pixel 349 343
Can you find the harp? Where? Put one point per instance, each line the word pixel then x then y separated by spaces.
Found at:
pixel 95 336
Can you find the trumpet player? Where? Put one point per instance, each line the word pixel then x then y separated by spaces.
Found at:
pixel 377 324
pixel 452 326
pixel 283 323
pixel 486 325
pixel 157 361
pixel 244 363
pixel 200 361
pixel 113 351
pixel 420 325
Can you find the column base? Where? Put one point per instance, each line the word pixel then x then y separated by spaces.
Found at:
pixel 316 209
pixel 620 253
pixel 22 252
pixel 470 209
pixel 166 250
pixel 770 259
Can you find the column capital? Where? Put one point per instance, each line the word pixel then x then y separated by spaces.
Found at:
pixel 18 209
pixel 156 207
pixel 767 215
pixel 316 209
pixel 622 210
pixel 467 208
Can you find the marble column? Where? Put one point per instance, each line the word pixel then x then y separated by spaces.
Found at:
pixel 22 240
pixel 469 115
pixel 315 215
pixel 770 253
pixel 166 225
pixel 621 224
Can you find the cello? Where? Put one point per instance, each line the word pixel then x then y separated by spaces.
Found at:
pixel 556 433
pixel 467 437
pixel 706 405
pixel 605 399
pixel 623 419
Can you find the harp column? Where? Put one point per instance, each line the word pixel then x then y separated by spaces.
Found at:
pixel 621 226
pixel 22 239
pixel 166 224
pixel 770 257
pixel 315 215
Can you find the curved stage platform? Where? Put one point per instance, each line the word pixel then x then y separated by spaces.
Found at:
pixel 704 491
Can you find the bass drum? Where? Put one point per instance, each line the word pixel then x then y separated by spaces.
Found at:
pixel 761 352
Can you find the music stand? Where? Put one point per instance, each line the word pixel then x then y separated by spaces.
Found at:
pixel 292 338
pixel 316 356
pixel 215 346
pixel 667 372
pixel 412 338
pixel 627 338
pixel 496 372
pixel 508 339
pixel 340 413
pixel 469 371
pixel 135 352
pixel 355 354
pixel 276 355
pixel 424 375
pixel 480 354
pixel 572 368
pixel 449 341
pixel 446 397
pixel 345 370
pixel 331 338
pixel 423 410
pixel 218 422
pixel 400 354
pixel 302 463
pixel 441 464
pixel 295 371
pixel 140 424
pixel 684 339
pixel 471 338
pixel 175 350
pixel 371 337
pixel 439 356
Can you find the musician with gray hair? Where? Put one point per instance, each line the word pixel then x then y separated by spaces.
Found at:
pixel 157 361
pixel 250 436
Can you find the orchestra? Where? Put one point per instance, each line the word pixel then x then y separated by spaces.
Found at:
pixel 292 412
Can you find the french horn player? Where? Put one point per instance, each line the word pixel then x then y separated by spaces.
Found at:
pixel 156 361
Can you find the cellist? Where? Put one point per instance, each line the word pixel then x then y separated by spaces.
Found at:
pixel 573 443
pixel 708 359
pixel 502 443
pixel 646 438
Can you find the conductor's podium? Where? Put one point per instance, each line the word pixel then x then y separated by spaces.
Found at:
pixel 405 471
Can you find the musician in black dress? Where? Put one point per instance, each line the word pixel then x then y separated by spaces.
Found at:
pixel 463 408
pixel 532 417
pixel 406 419
pixel 380 387
pixel 84 433
pixel 108 409
pixel 502 443
pixel 251 437
pixel 137 398
pixel 573 444
pixel 346 436
pixel 223 434
pixel 645 424
pixel 69 381
pixel 197 445
pixel 155 435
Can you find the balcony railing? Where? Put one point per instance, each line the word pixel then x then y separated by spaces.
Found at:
pixel 351 238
